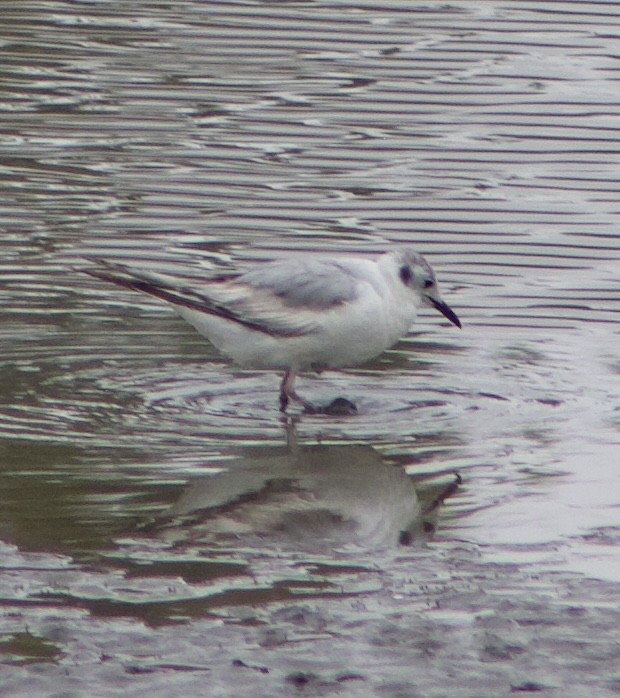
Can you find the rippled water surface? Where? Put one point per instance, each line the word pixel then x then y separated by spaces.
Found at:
pixel 162 531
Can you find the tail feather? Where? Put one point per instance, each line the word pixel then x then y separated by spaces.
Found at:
pixel 154 285
pixel 171 291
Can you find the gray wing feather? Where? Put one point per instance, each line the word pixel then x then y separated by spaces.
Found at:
pixel 312 284
pixel 259 299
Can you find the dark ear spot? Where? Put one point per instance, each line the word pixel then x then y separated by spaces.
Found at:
pixel 405 274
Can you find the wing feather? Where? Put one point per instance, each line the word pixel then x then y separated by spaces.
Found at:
pixel 260 299
pixel 317 284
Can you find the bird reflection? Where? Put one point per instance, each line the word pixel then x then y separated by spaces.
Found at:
pixel 309 497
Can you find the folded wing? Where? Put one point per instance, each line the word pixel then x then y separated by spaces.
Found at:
pixel 280 298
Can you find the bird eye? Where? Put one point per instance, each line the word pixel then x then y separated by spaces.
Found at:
pixel 428 283
pixel 405 274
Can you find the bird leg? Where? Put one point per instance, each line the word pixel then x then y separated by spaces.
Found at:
pixel 287 393
pixel 339 407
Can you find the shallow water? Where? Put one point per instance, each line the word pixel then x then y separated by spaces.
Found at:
pixel 162 530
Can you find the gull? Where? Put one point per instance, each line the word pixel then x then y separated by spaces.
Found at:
pixel 298 313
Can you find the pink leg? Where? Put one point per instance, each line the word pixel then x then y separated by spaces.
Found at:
pixel 286 387
pixel 287 392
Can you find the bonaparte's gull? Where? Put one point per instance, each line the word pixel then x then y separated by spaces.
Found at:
pixel 300 312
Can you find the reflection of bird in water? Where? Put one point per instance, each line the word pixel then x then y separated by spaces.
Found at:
pixel 335 495
pixel 299 313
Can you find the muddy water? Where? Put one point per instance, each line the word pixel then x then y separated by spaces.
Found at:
pixel 163 532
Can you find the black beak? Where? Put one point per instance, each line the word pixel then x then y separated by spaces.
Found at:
pixel 446 310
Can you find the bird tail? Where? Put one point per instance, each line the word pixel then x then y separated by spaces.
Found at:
pixel 157 285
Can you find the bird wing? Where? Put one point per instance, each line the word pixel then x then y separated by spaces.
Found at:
pixel 280 298
pixel 316 284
